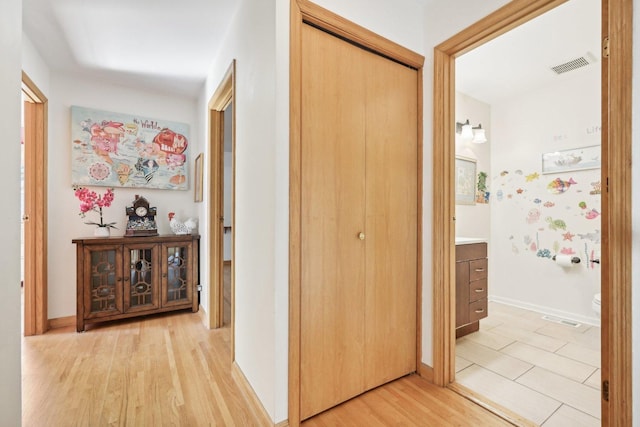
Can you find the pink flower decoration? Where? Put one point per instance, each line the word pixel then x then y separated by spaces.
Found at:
pixel 91 201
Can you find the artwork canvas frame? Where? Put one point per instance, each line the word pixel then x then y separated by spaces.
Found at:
pixel 198 179
pixel 465 180
pixel 128 150
pixel 572 159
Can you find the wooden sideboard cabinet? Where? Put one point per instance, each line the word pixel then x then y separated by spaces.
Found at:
pixel 120 277
pixel 471 287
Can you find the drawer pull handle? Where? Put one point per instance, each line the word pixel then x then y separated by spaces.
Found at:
pixel 479 290
pixel 479 270
pixel 480 310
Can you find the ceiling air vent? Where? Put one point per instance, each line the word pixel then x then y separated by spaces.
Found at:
pixel 574 64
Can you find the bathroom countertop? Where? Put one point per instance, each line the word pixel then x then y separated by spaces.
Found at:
pixel 469 240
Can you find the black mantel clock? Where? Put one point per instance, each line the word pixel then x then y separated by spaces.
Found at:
pixel 142 218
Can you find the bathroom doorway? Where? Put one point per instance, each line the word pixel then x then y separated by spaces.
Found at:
pixel 537 205
pixel 616 147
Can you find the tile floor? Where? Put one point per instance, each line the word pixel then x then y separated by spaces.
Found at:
pixel 545 371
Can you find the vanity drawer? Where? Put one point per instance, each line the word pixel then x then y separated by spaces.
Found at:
pixel 478 310
pixel 478 290
pixel 478 269
pixel 471 251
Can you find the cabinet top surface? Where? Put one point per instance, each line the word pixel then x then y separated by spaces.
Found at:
pixel 137 239
pixel 469 240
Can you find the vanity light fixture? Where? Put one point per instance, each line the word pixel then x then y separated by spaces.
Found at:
pixel 464 129
pixel 467 132
pixel 479 136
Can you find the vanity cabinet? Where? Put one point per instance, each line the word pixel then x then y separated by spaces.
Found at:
pixel 121 277
pixel 471 287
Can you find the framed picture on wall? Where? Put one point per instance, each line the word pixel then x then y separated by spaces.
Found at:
pixel 571 160
pixel 197 187
pixel 465 176
pixel 114 149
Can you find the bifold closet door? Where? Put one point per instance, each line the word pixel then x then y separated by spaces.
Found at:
pixel 358 221
pixel 332 214
pixel 391 220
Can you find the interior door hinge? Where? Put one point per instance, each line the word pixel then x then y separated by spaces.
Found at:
pixel 605 390
pixel 605 47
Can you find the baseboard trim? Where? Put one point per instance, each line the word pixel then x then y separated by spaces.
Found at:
pixel 284 423
pixel 426 372
pixel 62 322
pixel 204 317
pixel 252 399
pixel 589 320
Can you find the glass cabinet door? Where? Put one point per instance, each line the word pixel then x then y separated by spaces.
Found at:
pixel 141 272
pixel 177 282
pixel 103 273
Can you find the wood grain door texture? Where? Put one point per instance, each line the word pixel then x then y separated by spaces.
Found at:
pixel 358 221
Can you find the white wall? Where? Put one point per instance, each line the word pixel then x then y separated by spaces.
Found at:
pixel 34 66
pixel 64 222
pixel 251 41
pixel 10 78
pixel 459 15
pixel 474 220
pixel 525 211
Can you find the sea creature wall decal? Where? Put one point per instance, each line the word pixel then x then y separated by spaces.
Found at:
pixel 594 237
pixel 559 186
pixel 592 214
pixel 555 224
pixel 534 216
pixel 532 176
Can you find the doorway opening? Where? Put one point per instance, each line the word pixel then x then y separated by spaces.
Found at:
pixel 537 201
pixel 227 209
pixel 222 204
pixel 616 243
pixel 34 208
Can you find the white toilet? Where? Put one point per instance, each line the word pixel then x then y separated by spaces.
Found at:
pixel 596 304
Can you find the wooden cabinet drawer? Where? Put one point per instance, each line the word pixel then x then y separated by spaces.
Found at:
pixel 478 269
pixel 478 310
pixel 471 251
pixel 478 290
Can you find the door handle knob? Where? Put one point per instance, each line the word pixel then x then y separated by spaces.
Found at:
pixel 361 236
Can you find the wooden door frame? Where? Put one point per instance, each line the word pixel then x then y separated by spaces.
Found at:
pixel 35 222
pixel 616 199
pixel 220 100
pixel 304 11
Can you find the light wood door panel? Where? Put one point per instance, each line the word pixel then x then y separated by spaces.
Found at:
pixel 359 234
pixel 391 220
pixel 333 196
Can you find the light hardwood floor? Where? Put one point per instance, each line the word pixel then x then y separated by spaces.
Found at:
pixel 159 370
pixel 169 370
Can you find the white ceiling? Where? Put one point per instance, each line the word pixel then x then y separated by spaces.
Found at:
pixel 520 60
pixel 168 46
pixel 162 45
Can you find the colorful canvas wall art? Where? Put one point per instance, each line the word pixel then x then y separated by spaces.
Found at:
pixel 126 150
